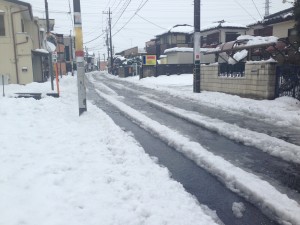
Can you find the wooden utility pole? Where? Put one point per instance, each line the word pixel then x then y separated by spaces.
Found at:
pixel 109 41
pixel 79 53
pixel 71 52
pixel 297 18
pixel 50 67
pixel 197 39
pixel 111 46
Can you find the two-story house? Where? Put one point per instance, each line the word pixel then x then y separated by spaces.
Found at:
pixel 20 55
pixel 177 36
pixel 280 24
pixel 220 32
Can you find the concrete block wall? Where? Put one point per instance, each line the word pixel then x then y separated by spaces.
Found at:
pixel 259 80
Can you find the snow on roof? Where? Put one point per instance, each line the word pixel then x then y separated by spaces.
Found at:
pixel 257 40
pixel 223 24
pixel 184 49
pixel 119 57
pixel 180 28
pixel 281 15
pixel 178 49
pixel 41 50
pixel 141 50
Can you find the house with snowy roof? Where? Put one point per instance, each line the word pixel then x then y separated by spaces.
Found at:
pixel 177 36
pixel 220 32
pixel 280 24
pixel 20 43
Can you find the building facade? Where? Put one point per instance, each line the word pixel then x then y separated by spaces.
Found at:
pixel 21 55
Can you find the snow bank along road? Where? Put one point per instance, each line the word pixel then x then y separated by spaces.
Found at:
pixel 265 172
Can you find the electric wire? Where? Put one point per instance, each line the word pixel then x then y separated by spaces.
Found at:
pixel 257 9
pixel 245 10
pixel 151 22
pixel 140 7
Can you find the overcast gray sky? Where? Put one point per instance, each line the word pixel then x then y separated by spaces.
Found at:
pixel 154 17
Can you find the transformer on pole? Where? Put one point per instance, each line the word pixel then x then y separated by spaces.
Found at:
pixel 79 53
pixel 197 72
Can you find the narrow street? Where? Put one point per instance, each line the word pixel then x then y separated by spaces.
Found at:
pixel 206 186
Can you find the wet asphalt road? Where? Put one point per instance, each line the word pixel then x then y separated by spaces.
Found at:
pixel 205 187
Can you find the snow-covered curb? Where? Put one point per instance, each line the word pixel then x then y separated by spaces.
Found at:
pixel 259 192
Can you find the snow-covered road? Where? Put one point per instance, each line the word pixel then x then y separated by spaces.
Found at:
pixel 245 183
pixel 57 168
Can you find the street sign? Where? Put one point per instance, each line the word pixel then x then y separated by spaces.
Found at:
pixel 54 57
pixel 149 60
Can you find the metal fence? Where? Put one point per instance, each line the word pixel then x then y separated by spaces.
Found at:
pixel 229 70
pixel 288 81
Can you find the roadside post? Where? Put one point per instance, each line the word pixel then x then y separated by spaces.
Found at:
pixel 197 39
pixel 3 85
pixel 54 61
pixel 79 53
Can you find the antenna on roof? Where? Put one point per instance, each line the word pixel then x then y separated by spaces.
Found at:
pixel 267 7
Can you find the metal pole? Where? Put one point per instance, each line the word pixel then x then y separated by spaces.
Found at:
pixel 111 47
pixel 3 85
pixel 79 57
pixel 50 54
pixel 197 39
pixel 71 52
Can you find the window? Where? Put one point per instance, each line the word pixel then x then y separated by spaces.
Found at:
pixel 2 25
pixel 266 31
pixel 231 36
pixel 23 26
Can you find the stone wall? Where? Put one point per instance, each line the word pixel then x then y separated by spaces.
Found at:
pixel 258 82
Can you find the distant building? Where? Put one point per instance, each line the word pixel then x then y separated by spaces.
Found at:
pixel 20 43
pixel 177 36
pixel 179 55
pixel 132 52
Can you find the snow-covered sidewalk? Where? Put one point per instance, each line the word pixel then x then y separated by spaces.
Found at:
pixel 57 168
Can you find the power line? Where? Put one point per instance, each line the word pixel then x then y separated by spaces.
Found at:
pixel 257 9
pixel 94 38
pixel 140 7
pixel 151 22
pixel 128 2
pixel 245 10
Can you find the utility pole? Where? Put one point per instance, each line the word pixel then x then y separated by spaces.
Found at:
pixel 71 52
pixel 107 44
pixel 197 62
pixel 297 19
pixel 79 53
pixel 110 49
pixel 50 53
pixel 99 61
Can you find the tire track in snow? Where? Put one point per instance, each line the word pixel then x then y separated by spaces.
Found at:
pixel 273 203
